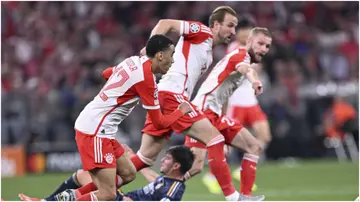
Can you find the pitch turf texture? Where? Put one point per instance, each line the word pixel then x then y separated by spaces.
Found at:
pixel 310 180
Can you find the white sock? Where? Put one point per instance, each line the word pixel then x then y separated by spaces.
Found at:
pixel 233 197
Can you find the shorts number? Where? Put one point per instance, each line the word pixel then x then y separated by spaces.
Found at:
pixel 227 121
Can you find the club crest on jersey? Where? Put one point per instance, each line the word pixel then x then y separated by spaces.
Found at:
pixel 194 28
pixel 109 158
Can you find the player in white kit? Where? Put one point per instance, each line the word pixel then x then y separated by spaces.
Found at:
pixel 193 56
pixel 97 124
pixel 224 79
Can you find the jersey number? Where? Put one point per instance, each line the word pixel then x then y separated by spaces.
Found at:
pixel 118 72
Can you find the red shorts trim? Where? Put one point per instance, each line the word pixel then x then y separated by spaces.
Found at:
pixel 247 115
pixel 227 127
pixel 96 152
pixel 168 103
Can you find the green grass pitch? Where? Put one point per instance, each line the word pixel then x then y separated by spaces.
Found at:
pixel 306 180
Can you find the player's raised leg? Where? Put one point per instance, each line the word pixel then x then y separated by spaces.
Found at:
pixel 149 149
pixel 238 136
pixel 206 133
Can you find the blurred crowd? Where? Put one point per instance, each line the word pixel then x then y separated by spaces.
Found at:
pixel 53 54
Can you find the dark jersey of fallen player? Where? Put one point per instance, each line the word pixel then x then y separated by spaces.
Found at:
pixel 162 189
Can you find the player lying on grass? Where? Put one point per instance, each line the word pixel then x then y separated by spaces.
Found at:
pixel 166 187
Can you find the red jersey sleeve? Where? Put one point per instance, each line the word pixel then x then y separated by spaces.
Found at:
pixel 147 90
pixel 163 121
pixel 195 32
pixel 107 72
pixel 242 57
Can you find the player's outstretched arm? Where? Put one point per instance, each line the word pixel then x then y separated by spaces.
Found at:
pixel 149 174
pixel 252 76
pixel 167 25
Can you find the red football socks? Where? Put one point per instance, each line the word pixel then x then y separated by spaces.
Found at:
pixel 248 173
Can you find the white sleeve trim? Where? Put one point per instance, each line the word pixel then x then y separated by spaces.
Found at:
pixel 182 27
pixel 165 199
pixel 151 107
pixel 186 27
pixel 241 63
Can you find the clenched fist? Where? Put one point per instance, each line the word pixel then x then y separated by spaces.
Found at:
pixel 257 86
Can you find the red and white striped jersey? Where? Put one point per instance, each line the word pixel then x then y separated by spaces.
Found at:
pixel 193 55
pixel 222 81
pixel 244 95
pixel 130 80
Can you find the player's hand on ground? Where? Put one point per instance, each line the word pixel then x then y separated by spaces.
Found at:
pixel 128 150
pixel 143 51
pixel 185 107
pixel 257 86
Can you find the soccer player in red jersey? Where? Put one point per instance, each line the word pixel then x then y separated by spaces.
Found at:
pixel 193 56
pixel 243 106
pixel 130 81
pixel 228 75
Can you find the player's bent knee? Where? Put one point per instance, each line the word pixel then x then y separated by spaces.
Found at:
pixel 129 176
pixel 256 148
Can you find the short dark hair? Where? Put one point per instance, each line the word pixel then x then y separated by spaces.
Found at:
pixel 157 43
pixel 219 14
pixel 246 21
pixel 182 155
